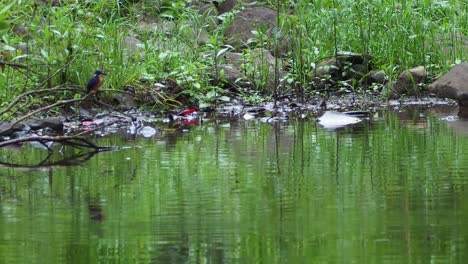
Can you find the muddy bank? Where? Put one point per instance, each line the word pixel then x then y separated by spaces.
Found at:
pixel 101 121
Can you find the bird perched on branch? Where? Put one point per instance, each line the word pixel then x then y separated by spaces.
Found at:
pixel 95 82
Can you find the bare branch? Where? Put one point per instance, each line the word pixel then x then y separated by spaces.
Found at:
pixel 63 102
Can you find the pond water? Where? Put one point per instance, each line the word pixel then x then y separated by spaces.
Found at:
pixel 390 190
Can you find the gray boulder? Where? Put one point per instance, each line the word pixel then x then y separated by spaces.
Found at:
pixel 453 84
pixel 239 32
pixel 408 81
pixel 225 6
pixel 230 73
pixel 251 67
pixel 125 100
pixel 377 76
pixel 49 122
pixel 54 124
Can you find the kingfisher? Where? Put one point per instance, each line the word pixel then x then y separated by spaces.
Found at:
pixel 95 82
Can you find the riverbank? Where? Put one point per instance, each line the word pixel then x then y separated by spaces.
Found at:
pixel 105 120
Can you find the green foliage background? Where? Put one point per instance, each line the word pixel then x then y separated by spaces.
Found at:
pixel 185 44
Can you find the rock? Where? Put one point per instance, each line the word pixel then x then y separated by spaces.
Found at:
pixel 149 23
pixel 208 10
pixel 191 33
pixel 125 100
pixel 54 124
pixel 230 73
pixel 408 81
pixel 255 56
pixel 356 72
pixel 327 68
pixel 41 123
pixel 352 58
pixel 234 59
pixel 84 114
pixel 6 129
pixel 133 44
pixel 377 76
pixel 239 32
pixel 345 66
pixel 225 6
pixel 453 84
pixel 262 56
pixel 253 65
pixel 20 30
pixel 262 65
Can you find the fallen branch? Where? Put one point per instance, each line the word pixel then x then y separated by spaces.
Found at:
pixel 17 121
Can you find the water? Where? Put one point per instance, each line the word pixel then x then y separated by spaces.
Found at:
pixel 392 190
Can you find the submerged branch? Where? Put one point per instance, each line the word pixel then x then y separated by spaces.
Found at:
pixel 46 164
pixel 74 141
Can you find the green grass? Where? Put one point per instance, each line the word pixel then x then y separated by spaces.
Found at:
pixel 398 34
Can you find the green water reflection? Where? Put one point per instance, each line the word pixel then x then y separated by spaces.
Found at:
pixel 387 191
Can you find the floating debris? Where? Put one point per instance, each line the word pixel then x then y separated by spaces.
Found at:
pixel 332 119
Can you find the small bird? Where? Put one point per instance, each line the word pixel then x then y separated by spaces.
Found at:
pixel 95 82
